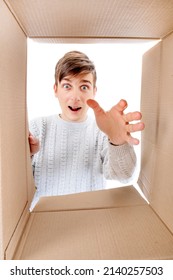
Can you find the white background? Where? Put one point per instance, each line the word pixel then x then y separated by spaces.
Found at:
pixel 118 67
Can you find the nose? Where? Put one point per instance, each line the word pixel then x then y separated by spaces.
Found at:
pixel 75 96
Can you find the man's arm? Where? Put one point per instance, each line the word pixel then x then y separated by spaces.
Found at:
pixel 119 155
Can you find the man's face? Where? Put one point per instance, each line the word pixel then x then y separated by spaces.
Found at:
pixel 72 93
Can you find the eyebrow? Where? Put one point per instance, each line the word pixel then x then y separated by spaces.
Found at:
pixel 65 79
pixel 86 81
pixel 82 81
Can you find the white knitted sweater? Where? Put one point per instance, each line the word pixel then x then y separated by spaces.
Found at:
pixel 76 157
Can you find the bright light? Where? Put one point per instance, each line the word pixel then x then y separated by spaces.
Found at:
pixel 118 69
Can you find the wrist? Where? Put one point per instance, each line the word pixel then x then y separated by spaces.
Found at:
pixel 113 144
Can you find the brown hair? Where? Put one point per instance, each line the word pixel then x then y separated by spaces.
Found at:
pixel 74 63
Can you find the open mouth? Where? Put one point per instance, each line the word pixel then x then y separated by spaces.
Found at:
pixel 74 109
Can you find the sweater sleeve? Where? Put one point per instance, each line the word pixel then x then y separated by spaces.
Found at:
pixel 34 128
pixel 119 162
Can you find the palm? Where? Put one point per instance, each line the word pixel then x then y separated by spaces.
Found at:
pixel 115 123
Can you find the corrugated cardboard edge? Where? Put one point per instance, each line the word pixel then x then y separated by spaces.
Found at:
pixel 101 199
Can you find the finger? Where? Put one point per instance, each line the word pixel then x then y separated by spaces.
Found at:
pixel 33 140
pixel 134 116
pixel 95 106
pixel 133 141
pixel 135 127
pixel 31 136
pixel 121 105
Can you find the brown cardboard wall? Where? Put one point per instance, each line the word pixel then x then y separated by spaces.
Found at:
pixel 130 232
pixel 157 156
pixel 149 107
pixel 94 19
pixel 162 195
pixel 13 170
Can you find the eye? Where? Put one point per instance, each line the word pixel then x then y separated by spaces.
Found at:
pixel 66 86
pixel 84 87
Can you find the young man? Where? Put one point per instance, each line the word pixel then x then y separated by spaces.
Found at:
pixel 73 153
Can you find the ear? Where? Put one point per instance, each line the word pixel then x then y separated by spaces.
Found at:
pixel 55 87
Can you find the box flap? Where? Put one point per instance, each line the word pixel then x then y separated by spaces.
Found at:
pixel 149 106
pixel 13 144
pixel 133 232
pixel 156 178
pixel 94 19
pixel 117 197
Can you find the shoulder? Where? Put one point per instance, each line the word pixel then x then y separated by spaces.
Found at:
pixel 40 120
pixel 38 124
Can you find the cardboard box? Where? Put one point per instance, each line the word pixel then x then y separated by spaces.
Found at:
pixel 109 224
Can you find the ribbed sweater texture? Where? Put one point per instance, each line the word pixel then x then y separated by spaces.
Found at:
pixel 76 157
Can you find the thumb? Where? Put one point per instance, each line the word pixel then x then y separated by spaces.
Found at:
pixel 95 106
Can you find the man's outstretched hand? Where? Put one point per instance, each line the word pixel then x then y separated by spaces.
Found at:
pixel 116 124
